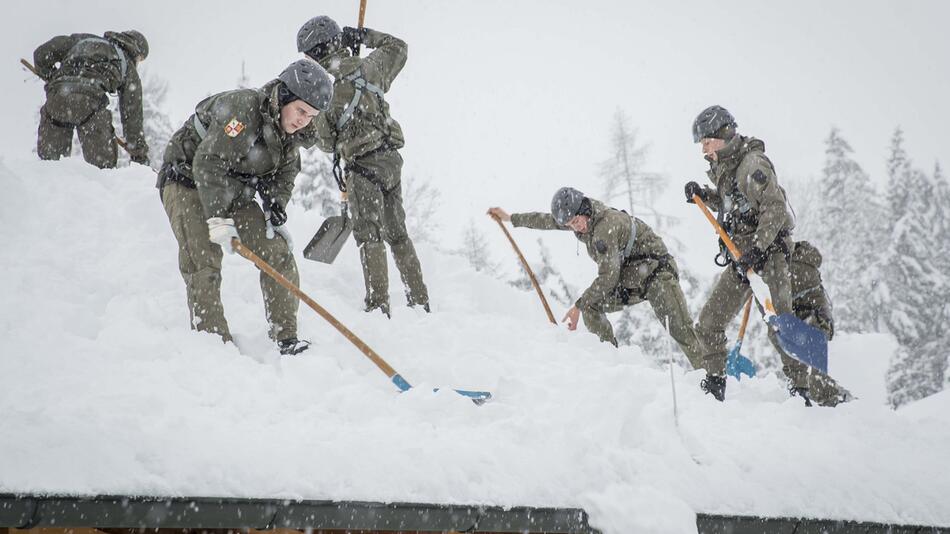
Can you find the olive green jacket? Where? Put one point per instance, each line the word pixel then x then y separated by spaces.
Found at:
pixel 91 63
pixel 809 298
pixel 370 127
pixel 747 194
pixel 607 238
pixel 242 150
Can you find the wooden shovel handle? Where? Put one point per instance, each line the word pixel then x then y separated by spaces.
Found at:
pixel 733 249
pixel 524 263
pixel 745 318
pixel 364 348
pixel 362 13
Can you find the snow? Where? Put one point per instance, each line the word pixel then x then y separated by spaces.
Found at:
pixel 107 391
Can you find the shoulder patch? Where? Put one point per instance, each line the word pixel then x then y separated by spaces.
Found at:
pixel 760 177
pixel 600 246
pixel 234 128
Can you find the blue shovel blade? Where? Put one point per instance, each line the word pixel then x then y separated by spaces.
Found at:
pixel 801 341
pixel 478 397
pixel 738 365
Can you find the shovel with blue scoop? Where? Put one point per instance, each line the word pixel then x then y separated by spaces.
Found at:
pixel 737 364
pixel 478 397
pixel 797 338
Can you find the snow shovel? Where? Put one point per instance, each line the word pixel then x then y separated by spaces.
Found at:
pixel 798 339
pixel 331 236
pixel 736 363
pixel 524 263
pixel 478 397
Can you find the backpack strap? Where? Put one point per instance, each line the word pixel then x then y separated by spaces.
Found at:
pixel 360 84
pixel 200 128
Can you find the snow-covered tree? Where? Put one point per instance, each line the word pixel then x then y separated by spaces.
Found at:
pixel 156 125
pixel 421 200
pixel 315 187
pixel 243 81
pixel 475 249
pixel 549 278
pixel 847 230
pixel 626 183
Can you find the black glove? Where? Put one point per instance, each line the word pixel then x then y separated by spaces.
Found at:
pixel 278 215
pixel 754 259
pixel 352 37
pixel 693 188
pixel 141 159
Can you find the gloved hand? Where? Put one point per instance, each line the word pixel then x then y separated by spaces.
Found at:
pixel 693 188
pixel 352 36
pixel 140 159
pixel 221 231
pixel 754 259
pixel 276 214
pixel 282 231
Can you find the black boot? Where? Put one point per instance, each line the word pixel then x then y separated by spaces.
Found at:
pixel 715 385
pixel 292 345
pixel 800 392
pixel 381 307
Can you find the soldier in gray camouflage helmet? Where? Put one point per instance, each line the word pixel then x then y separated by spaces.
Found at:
pixel 753 209
pixel 359 130
pixel 80 70
pixel 633 266
pixel 239 145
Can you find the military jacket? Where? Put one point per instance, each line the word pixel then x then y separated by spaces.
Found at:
pixel 370 126
pixel 232 147
pixel 608 242
pixel 752 206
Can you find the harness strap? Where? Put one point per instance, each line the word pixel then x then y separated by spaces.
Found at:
pixel 360 84
pixel 200 128
pixel 627 250
pixel 805 292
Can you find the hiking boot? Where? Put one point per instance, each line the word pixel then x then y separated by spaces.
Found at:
pixel 292 345
pixel 716 385
pixel 381 307
pixel 800 392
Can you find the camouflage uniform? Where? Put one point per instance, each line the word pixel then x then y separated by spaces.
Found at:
pixel 633 265
pixel 231 149
pixel 812 305
pixel 76 99
pixel 754 211
pixel 367 139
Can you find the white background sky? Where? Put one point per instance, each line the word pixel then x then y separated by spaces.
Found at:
pixel 504 101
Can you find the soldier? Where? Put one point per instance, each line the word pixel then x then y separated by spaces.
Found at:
pixel 811 304
pixel 359 130
pixel 89 67
pixel 754 211
pixel 238 144
pixel 633 266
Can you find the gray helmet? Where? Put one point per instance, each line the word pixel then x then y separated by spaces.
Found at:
pixel 565 204
pixel 133 41
pixel 710 121
pixel 309 82
pixel 315 32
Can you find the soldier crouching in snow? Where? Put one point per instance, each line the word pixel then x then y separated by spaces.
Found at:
pixel 238 144
pixel 633 266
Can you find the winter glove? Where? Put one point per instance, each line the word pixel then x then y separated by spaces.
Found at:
pixel 352 36
pixel 276 214
pixel 221 231
pixel 754 259
pixel 282 231
pixel 140 159
pixel 693 188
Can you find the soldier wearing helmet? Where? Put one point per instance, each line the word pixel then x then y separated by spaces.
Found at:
pixel 359 130
pixel 753 209
pixel 238 145
pixel 633 266
pixel 80 69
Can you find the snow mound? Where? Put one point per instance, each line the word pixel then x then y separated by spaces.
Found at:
pixel 107 391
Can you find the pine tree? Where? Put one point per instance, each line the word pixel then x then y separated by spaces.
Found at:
pixel 624 178
pixel 315 187
pixel 243 81
pixel 421 200
pixel 156 125
pixel 910 305
pixel 849 235
pixel 475 249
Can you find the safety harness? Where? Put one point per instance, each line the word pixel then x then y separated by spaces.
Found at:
pixel 360 84
pixel 664 264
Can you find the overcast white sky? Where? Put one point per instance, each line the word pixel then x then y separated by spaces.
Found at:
pixel 504 101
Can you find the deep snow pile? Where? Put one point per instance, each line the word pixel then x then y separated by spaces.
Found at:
pixel 105 390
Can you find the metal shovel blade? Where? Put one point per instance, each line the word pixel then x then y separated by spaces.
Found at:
pixel 802 341
pixel 329 239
